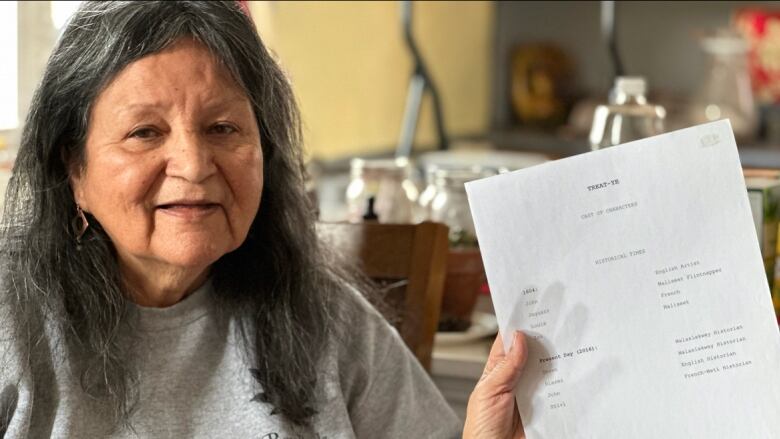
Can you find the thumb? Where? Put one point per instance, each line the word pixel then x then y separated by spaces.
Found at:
pixel 506 373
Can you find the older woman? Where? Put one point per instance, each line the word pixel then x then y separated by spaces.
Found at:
pixel 161 275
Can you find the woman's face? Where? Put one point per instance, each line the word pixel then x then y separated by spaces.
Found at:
pixel 173 161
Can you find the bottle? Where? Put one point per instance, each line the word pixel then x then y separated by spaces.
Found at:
pixel 627 117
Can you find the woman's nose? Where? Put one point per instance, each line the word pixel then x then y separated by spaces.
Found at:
pixel 190 158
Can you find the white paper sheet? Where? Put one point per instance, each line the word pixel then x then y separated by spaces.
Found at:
pixel 636 273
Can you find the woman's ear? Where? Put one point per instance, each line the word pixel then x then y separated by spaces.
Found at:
pixel 78 193
pixel 76 181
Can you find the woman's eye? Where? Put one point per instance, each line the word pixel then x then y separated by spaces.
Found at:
pixel 144 133
pixel 222 128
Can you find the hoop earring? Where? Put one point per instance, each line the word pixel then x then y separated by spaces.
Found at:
pixel 80 225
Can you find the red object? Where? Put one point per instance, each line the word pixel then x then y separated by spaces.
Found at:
pixel 761 30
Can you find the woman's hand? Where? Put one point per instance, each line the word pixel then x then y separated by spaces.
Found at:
pixel 492 410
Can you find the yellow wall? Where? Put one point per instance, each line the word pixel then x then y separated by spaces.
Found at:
pixel 350 70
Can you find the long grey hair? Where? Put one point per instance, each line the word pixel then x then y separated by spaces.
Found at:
pixel 288 294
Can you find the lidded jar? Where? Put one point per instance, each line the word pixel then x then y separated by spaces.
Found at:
pixel 381 187
pixel 465 275
pixel 449 204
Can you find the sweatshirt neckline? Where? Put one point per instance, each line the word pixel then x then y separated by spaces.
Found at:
pixel 194 306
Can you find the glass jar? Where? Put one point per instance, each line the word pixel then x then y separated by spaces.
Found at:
pixel 426 196
pixel 381 189
pixel 449 204
pixel 465 275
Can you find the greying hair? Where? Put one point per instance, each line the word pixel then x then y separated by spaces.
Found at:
pixel 278 281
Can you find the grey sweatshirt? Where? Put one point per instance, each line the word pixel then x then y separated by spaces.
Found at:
pixel 195 383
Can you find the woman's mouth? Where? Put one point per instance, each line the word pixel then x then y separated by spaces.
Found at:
pixel 188 210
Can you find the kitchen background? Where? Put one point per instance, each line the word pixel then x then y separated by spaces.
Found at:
pixel 511 76
pixel 524 77
pixel 350 66
pixel 518 84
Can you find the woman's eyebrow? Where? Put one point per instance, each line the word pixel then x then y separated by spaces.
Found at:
pixel 222 102
pixel 217 103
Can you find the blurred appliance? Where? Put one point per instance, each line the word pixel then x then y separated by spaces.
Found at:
pixel 627 117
